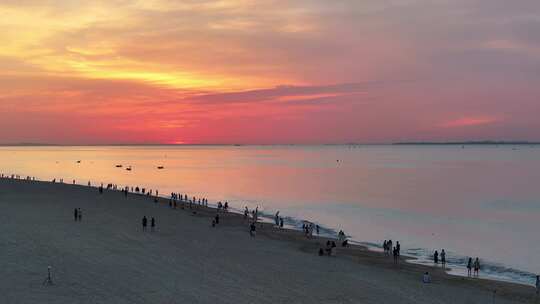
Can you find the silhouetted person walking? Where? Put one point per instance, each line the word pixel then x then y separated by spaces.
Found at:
pixel 79 213
pixel 443 258
pixel 252 229
pixel 152 224
pixel 476 266
pixel 144 223
pixel 75 214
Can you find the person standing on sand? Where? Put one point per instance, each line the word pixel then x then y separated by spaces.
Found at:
pixel 79 213
pixel 276 218
pixel 317 228
pixel 280 222
pixel 252 229
pixel 476 266
pixel 152 224
pixel 144 223
pixel 436 257
pixel 469 267
pixel 398 248
pixel 75 214
pixel 443 258
pixel 537 284
pixel 396 255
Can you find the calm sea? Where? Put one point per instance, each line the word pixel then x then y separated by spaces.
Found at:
pixel 472 201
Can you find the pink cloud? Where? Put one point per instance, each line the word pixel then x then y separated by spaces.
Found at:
pixel 469 122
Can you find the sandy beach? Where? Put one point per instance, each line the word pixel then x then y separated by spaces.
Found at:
pixel 107 258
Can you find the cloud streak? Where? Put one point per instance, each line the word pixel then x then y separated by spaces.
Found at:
pixel 469 122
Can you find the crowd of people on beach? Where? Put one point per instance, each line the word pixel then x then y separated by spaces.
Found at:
pixel 330 250
pixel 308 228
pixel 184 201
pixel 473 267
pixel 394 251
pixel 331 246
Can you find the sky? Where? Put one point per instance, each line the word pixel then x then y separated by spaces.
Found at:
pixel 267 72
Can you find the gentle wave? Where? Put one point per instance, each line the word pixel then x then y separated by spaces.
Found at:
pixel 455 263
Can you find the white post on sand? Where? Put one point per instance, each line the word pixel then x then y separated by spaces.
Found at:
pixel 48 280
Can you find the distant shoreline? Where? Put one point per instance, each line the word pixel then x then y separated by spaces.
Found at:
pixel 462 143
pixel 412 143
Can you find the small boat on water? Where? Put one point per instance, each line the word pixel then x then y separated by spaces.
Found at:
pixel 160 167
pixel 78 162
pixel 118 166
pixel 128 168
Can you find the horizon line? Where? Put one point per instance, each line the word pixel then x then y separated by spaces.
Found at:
pixel 467 142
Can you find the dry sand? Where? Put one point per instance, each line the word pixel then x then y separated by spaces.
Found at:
pixel 106 258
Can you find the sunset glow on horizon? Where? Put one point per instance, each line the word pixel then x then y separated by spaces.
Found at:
pixel 239 71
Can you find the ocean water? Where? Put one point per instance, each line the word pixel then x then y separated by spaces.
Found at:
pixel 479 201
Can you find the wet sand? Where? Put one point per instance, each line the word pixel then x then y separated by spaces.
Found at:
pixel 106 258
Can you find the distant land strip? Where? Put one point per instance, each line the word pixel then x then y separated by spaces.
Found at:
pixel 411 143
pixel 486 142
